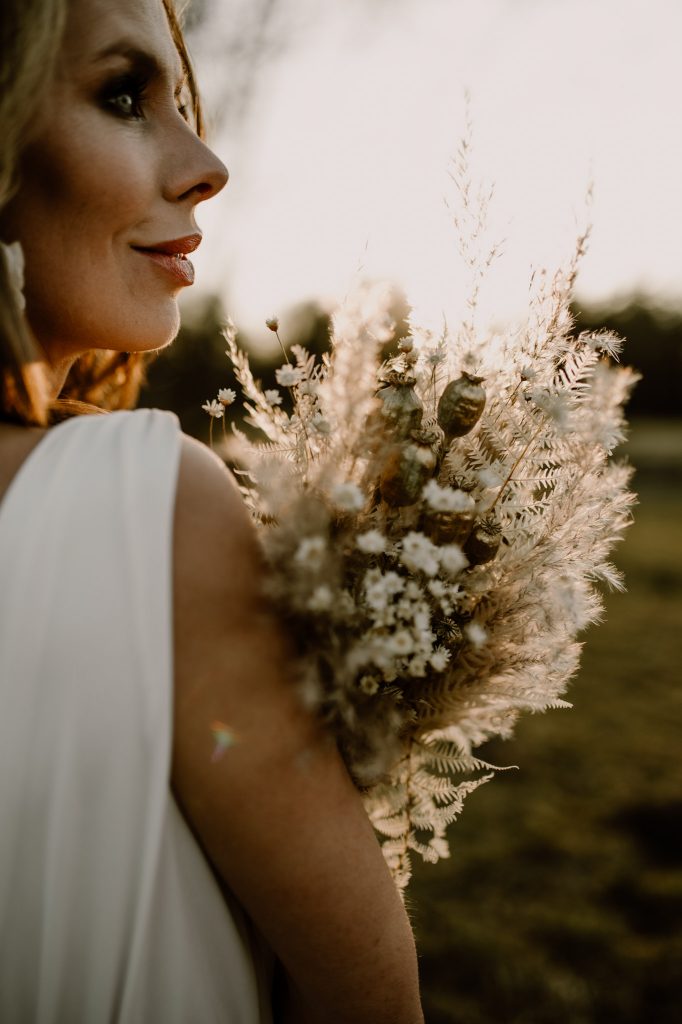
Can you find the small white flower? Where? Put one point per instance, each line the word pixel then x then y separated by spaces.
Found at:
pixel 272 396
pixel 380 588
pixel 422 622
pixel 475 634
pixel 419 554
pixel 393 582
pixel 311 551
pixel 528 373
pixel 288 376
pixel 214 408
pixel 452 559
pixel 226 396
pixel 437 589
pixel 369 685
pixel 401 643
pixel 445 499
pixel 439 659
pixel 417 667
pixel 372 542
pixel 309 388
pixel 13 255
pixel 348 496
pixel 488 477
pixel 321 599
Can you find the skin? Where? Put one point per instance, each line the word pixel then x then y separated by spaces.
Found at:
pixel 277 816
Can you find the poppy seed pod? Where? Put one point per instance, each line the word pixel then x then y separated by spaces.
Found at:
pixel 449 527
pixel 406 470
pixel 401 408
pixel 483 542
pixel 461 405
pixel 450 633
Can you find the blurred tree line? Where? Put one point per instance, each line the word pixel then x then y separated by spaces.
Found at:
pixel 192 370
pixel 653 346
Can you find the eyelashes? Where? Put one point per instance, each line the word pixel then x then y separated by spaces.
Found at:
pixel 124 97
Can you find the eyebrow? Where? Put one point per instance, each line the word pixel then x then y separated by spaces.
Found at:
pixel 144 61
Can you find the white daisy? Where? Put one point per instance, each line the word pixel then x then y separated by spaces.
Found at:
pixel 419 554
pixel 445 499
pixel 372 542
pixel 288 376
pixel 452 559
pixel 214 408
pixel 348 497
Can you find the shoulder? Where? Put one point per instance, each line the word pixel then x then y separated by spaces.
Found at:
pixel 221 618
pixel 232 660
pixel 213 527
pixel 205 485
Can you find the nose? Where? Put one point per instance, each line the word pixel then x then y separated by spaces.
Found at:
pixel 199 175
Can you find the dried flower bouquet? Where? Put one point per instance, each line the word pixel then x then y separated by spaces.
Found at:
pixel 435 525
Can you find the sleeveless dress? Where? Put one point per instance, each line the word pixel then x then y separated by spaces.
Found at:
pixel 109 911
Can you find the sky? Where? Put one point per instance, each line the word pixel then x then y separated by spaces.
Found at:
pixel 339 165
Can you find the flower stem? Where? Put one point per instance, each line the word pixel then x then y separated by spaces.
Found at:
pixel 284 351
pixel 515 466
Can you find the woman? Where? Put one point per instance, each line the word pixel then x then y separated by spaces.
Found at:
pixel 146 874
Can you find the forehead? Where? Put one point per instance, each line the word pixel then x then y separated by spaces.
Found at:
pixel 97 29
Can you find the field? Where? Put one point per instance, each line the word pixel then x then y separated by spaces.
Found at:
pixel 562 900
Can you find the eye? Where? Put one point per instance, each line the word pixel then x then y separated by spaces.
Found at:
pixel 124 97
pixel 126 104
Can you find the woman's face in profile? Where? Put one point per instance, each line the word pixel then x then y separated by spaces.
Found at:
pixel 113 170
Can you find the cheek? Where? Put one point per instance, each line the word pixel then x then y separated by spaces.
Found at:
pixel 89 193
pixel 78 209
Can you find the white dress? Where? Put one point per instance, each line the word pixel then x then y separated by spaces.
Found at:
pixel 109 911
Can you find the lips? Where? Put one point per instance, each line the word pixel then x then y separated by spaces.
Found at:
pixel 172 256
pixel 175 246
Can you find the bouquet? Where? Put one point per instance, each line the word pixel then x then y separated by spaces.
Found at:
pixel 436 523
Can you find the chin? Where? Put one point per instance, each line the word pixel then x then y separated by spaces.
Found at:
pixel 147 327
pixel 152 330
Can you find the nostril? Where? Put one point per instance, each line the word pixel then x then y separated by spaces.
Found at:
pixel 209 178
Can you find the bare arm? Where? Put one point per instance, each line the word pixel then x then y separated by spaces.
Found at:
pixel 277 815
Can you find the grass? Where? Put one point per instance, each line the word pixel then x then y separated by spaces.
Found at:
pixel 562 900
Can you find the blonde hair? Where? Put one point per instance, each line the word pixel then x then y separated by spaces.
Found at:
pixel 30 39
